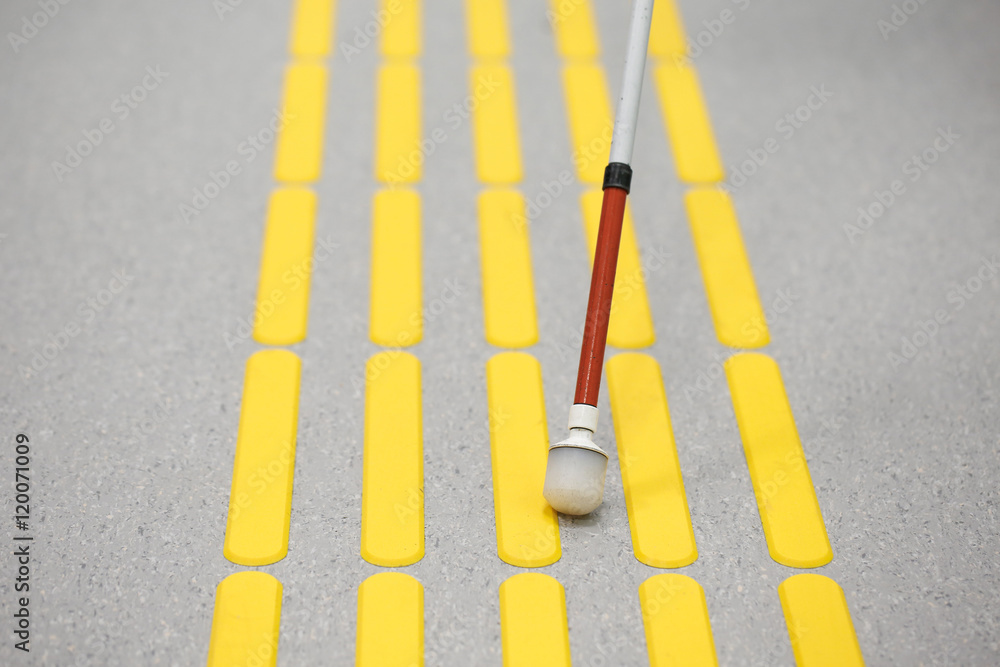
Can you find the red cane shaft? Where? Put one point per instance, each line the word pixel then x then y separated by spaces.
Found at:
pixel 602 286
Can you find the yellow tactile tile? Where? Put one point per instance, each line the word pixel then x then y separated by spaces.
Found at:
pixel 674 613
pixel 575 28
pixel 246 621
pixel 260 500
pixel 401 34
pixel 591 124
pixel 505 257
pixel 396 291
pixel 486 21
pixel 282 309
pixel 299 151
pixel 392 495
pixel 819 622
pixel 527 527
pixel 666 32
pixel 390 621
pixel 789 511
pixel 687 122
pixel 312 27
pixel 398 156
pixel 662 535
pixel 729 283
pixel 533 627
pixel 494 121
pixel 631 325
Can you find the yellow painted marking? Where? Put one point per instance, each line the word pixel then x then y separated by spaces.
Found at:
pixel 487 26
pixel 299 153
pixel 401 34
pixel 576 31
pixel 666 32
pixel 390 621
pixel 729 284
pixel 246 621
pixel 590 121
pixel 312 27
pixel 398 157
pixel 260 501
pixel 662 535
pixel 786 499
pixel 678 632
pixel 527 528
pixel 494 121
pixel 687 123
pixel 819 622
pixel 505 251
pixel 286 268
pixel 631 324
pixel 533 627
pixel 396 298
pixel 392 495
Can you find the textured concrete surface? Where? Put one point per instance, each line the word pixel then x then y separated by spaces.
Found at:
pixel 133 424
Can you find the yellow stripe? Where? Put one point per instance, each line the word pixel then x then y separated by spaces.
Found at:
pixel 666 32
pixel 688 124
pixel 494 119
pixel 533 623
pixel 487 25
pixel 678 632
pixel 398 158
pixel 590 120
pixel 662 535
pixel 786 499
pixel 819 622
pixel 392 496
pixel 246 621
pixel 390 621
pixel 508 289
pixel 573 23
pixel 396 298
pixel 401 34
pixel 286 268
pixel 312 27
pixel 527 528
pixel 260 501
pixel 631 325
pixel 299 152
pixel 725 268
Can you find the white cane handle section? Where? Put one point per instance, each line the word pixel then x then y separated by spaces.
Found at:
pixel 635 65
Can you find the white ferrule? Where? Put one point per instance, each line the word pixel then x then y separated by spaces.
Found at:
pixel 582 415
